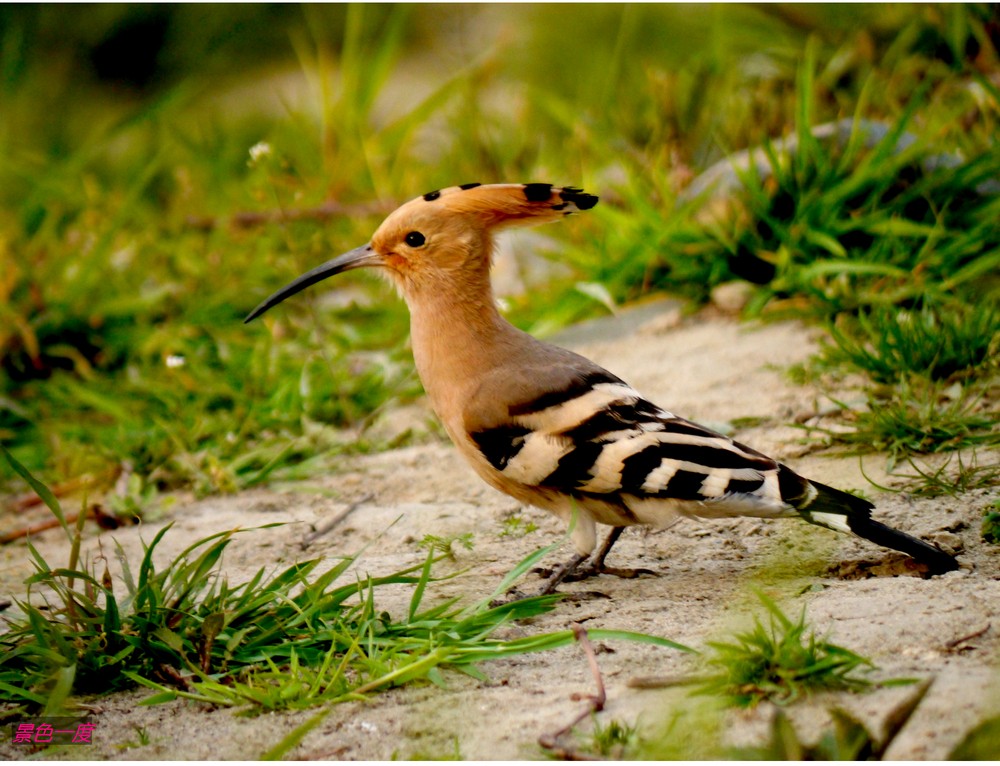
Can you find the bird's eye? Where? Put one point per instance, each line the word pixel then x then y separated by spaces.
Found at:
pixel 414 239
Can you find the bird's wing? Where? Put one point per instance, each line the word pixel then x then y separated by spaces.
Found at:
pixel 597 435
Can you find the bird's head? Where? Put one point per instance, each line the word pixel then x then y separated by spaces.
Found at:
pixel 445 233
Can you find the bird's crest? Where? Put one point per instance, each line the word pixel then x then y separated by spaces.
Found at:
pixel 507 204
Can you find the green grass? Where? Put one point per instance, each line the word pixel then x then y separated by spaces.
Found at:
pixel 981 743
pixel 849 739
pixel 939 343
pixel 515 525
pixel 285 639
pixel 930 375
pixel 691 733
pixel 781 662
pixel 953 476
pixel 990 528
pixel 919 418
pixel 612 740
pixel 784 663
pixel 877 217
pixel 445 546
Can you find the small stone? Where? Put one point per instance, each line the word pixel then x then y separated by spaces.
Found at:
pixel 732 296
pixel 663 323
pixel 949 542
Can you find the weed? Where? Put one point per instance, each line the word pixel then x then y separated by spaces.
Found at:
pixel 613 739
pixel 981 743
pixel 779 663
pixel 917 416
pixel 944 480
pixel 516 525
pixel 142 739
pixel 887 342
pixel 444 546
pixel 848 740
pixel 991 524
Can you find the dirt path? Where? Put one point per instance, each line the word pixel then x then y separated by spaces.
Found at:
pixel 710 369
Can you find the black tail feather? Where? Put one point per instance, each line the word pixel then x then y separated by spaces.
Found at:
pixel 856 512
pixel 936 559
pixel 832 500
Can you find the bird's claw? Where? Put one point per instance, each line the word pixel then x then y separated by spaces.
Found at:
pixel 593 570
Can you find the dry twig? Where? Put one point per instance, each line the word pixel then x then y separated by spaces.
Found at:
pixel 332 523
pixel 96 512
pixel 595 704
pixel 955 643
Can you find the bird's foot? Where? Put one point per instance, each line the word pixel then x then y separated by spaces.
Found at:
pixel 577 569
pixel 593 570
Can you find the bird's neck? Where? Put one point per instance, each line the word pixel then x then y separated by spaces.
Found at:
pixel 457 342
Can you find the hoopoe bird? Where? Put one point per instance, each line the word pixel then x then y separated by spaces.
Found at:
pixel 549 427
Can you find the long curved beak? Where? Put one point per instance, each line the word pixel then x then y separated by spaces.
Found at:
pixel 357 258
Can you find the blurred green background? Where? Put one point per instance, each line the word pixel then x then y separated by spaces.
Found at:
pixel 136 228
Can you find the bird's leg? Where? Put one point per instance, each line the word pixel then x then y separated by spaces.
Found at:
pixel 559 575
pixel 596 565
pixel 572 571
pixel 597 562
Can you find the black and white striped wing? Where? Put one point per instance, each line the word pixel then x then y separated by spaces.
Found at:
pixel 600 437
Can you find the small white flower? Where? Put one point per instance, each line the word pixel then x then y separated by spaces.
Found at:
pixel 259 151
pixel 176 360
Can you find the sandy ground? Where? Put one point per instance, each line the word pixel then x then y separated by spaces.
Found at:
pixel 709 368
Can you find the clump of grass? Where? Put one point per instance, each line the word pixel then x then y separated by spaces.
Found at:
pixel 938 343
pixel 445 546
pixel 780 662
pixel 917 416
pixel 931 371
pixel 290 639
pixel 945 479
pixel 613 739
pixel 877 217
pixel 516 525
pixel 981 742
pixel 851 740
pixel 991 524
pixel 848 740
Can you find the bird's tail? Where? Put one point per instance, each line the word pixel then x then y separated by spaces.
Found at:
pixel 844 512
